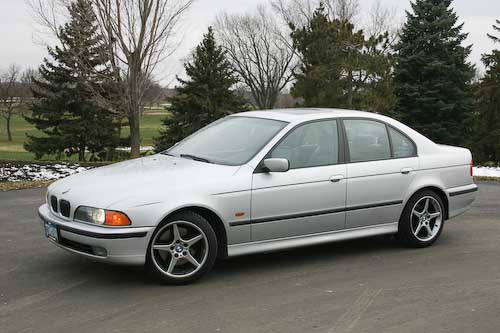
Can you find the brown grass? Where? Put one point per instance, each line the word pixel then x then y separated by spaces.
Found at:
pixel 9 186
pixel 483 178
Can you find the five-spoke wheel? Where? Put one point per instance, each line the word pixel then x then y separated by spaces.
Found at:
pixel 426 218
pixel 422 219
pixel 182 248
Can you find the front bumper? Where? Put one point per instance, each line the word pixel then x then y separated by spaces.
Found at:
pixel 106 244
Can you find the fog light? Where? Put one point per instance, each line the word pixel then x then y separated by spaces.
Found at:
pixel 99 251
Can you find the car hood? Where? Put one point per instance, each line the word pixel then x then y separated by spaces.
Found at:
pixel 142 181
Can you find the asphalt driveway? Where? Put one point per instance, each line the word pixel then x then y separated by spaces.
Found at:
pixel 370 285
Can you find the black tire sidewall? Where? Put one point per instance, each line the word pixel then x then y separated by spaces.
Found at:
pixel 404 231
pixel 206 228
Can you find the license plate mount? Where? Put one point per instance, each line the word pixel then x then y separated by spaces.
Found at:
pixel 51 231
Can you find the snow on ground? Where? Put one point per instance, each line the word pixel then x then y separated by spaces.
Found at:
pixel 486 171
pixel 31 172
pixel 143 148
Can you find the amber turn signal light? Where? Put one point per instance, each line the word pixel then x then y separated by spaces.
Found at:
pixel 116 219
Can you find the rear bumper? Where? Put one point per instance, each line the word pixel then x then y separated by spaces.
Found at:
pixel 461 198
pixel 113 245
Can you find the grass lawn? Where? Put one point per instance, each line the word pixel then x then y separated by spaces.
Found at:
pixel 14 150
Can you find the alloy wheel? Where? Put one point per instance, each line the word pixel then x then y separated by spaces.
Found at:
pixel 179 249
pixel 426 218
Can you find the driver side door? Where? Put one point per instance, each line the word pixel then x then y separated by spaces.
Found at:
pixel 310 197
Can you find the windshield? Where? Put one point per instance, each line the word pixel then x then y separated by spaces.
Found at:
pixel 229 141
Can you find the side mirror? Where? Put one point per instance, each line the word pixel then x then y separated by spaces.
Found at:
pixel 276 165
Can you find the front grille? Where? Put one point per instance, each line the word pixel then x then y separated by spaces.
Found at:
pixel 64 206
pixel 53 204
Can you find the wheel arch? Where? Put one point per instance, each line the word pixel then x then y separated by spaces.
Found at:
pixel 440 192
pixel 215 222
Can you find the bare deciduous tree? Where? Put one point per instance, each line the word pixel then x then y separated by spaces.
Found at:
pixel 381 20
pixel 260 51
pixel 138 34
pixel 299 12
pixel 378 20
pixel 14 91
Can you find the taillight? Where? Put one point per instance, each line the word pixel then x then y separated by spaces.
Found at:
pixel 471 168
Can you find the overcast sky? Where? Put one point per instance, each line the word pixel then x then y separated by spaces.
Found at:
pixel 18 36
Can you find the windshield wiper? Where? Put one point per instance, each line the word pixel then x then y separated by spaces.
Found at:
pixel 196 158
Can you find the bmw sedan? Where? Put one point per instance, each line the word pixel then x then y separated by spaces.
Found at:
pixel 257 182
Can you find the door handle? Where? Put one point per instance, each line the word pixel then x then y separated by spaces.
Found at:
pixel 406 171
pixel 336 178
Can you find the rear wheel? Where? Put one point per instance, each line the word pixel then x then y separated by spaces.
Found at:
pixel 182 249
pixel 422 220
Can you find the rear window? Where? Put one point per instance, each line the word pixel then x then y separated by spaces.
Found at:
pixel 402 145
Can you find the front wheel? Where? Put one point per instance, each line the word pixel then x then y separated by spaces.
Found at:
pixel 422 220
pixel 182 249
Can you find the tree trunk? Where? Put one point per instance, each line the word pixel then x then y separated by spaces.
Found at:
pixel 349 90
pixel 81 153
pixel 134 106
pixel 272 99
pixel 135 134
pixel 9 134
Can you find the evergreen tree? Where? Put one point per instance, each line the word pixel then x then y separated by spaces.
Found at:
pixel 318 80
pixel 487 122
pixel 340 66
pixel 65 109
pixel 205 97
pixel 378 95
pixel 432 75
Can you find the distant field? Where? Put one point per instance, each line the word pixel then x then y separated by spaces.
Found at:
pixel 14 150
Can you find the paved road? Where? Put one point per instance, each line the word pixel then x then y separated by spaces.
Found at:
pixel 359 286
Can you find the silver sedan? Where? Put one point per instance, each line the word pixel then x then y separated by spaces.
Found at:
pixel 261 181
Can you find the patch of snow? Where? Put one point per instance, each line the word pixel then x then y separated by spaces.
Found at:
pixel 143 148
pixel 486 171
pixel 31 172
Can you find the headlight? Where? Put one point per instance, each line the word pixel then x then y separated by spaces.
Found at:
pixel 101 216
pixel 90 214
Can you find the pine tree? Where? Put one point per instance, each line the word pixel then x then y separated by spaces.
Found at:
pixel 205 97
pixel 318 80
pixel 432 75
pixel 340 66
pixel 65 109
pixel 487 120
pixel 378 93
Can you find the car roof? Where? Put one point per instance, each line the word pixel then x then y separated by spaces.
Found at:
pixel 298 115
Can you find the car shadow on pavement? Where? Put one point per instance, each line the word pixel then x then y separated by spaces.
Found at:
pixel 311 254
pixel 361 250
pixel 365 251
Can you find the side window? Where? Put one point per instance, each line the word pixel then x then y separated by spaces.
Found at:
pixel 368 140
pixel 402 145
pixel 310 145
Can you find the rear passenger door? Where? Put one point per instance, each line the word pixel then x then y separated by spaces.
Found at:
pixel 381 166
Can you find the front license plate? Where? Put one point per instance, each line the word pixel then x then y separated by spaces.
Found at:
pixel 51 231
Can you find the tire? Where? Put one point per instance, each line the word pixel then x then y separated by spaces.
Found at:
pixel 420 225
pixel 182 249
